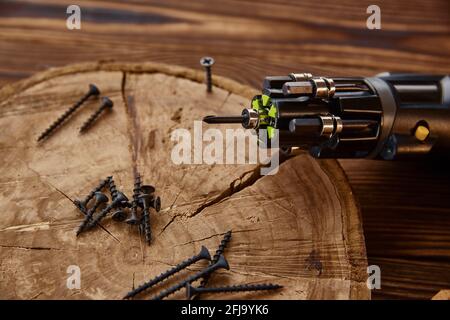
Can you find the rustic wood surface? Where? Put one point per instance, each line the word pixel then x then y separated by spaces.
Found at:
pixel 442 295
pixel 405 206
pixel 300 228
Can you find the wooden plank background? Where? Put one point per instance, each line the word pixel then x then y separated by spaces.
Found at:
pixel 405 206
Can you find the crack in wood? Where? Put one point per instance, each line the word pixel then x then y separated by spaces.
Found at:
pixel 33 248
pixel 198 240
pixel 133 123
pixel 216 235
pixel 169 223
pixel 227 193
pixel 232 189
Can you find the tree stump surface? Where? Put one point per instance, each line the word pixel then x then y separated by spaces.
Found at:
pixel 300 228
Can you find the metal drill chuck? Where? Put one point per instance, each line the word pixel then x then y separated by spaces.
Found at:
pixel 250 119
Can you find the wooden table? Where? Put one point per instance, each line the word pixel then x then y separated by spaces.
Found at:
pixel 405 206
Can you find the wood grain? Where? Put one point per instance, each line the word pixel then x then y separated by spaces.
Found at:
pixel 251 40
pixel 300 228
pixel 442 295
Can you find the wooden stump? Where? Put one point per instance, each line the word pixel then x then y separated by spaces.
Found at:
pixel 442 295
pixel 299 228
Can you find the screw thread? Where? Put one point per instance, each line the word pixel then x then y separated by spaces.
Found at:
pixel 90 196
pixel 163 276
pixel 208 79
pixel 220 250
pixel 88 218
pixel 137 187
pixel 238 288
pixel 112 189
pixel 63 117
pixel 103 213
pixel 83 210
pixel 90 121
pixel 223 244
pixel 147 228
pixel 136 192
pixel 145 198
pixel 211 268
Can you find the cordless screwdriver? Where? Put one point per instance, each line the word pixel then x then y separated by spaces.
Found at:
pixel 388 116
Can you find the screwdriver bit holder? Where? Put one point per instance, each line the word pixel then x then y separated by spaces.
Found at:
pixel 388 116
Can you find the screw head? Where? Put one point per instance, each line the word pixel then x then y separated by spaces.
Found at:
pixel 133 220
pixel 207 61
pixel 156 203
pixel 107 102
pixel 119 215
pixel 190 291
pixel 93 90
pixel 204 253
pixel 222 263
pixel 100 197
pixel 144 200
pixel 121 197
pixel 147 189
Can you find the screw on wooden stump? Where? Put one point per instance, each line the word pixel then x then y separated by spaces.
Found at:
pixel 93 91
pixel 202 255
pixel 99 199
pixel 220 250
pixel 82 204
pixel 119 215
pixel 207 63
pixel 190 290
pixel 156 203
pixel 221 264
pixel 146 198
pixel 133 219
pixel 117 202
pixel 106 104
pixel 112 189
pixel 84 211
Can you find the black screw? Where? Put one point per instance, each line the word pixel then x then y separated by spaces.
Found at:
pixel 106 104
pixel 99 199
pixel 93 91
pixel 119 200
pixel 133 219
pixel 156 203
pixel 80 204
pixel 220 250
pixel 221 264
pixel 112 189
pixel 146 198
pixel 207 63
pixel 202 255
pixel 190 290
pixel 119 215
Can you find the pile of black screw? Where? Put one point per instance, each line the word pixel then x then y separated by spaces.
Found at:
pixel 135 212
pixel 192 292
pixel 93 91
